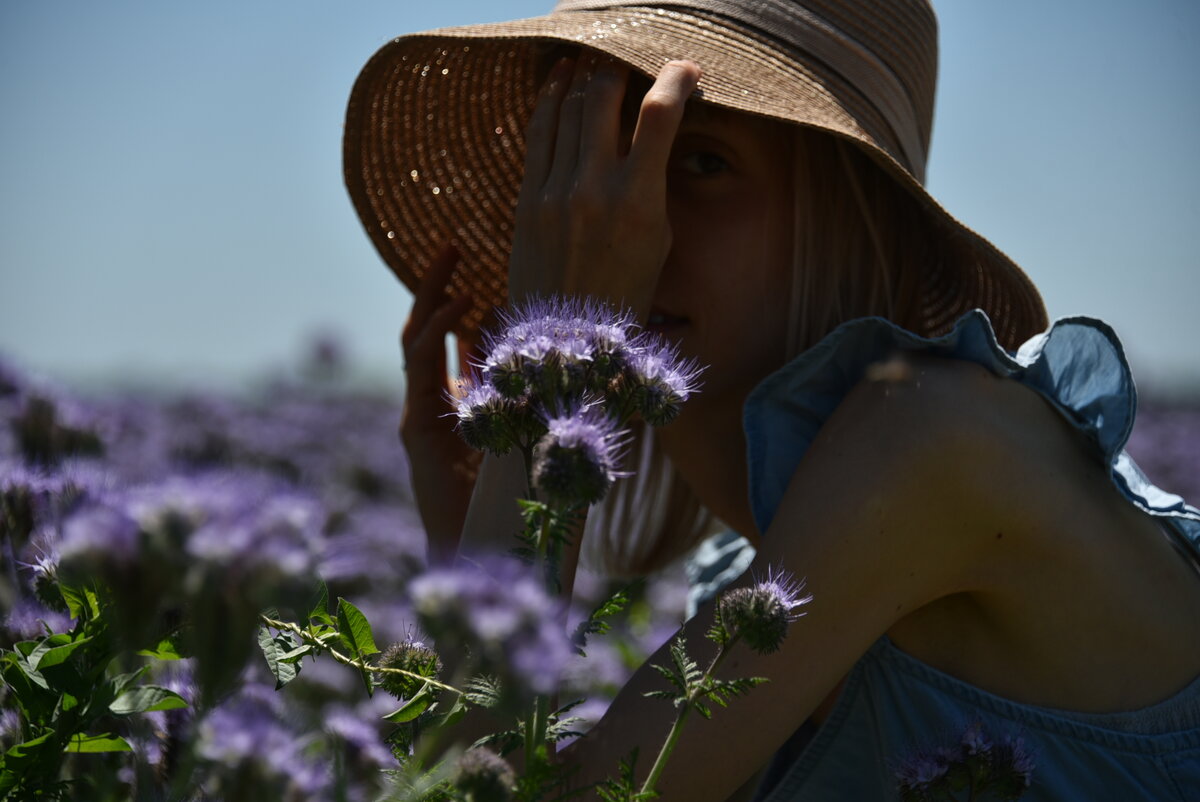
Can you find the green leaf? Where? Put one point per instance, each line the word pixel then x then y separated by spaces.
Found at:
pixel 354 630
pixel 98 743
pixel 31 673
pixel 274 648
pixel 34 698
pixel 123 681
pixel 670 676
pixel 595 623
pixel 355 634
pixel 483 690
pixel 146 698
pixel 413 707
pixel 449 718
pixel 56 651
pixel 165 650
pixel 29 748
pixel 320 607
pixel 79 603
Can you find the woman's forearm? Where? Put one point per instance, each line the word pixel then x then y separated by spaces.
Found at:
pixel 493 519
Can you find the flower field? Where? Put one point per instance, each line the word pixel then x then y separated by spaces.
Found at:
pixel 198 513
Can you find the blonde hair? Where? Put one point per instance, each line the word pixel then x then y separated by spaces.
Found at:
pixel 863 247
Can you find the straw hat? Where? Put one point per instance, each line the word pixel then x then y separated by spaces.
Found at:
pixel 434 146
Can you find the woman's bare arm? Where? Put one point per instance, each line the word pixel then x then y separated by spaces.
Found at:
pixel 893 507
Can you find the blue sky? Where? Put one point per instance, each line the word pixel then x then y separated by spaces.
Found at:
pixel 171 206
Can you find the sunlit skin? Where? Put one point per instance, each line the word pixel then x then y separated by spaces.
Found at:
pixel 954 511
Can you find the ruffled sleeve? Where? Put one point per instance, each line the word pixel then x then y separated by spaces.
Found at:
pixel 1078 365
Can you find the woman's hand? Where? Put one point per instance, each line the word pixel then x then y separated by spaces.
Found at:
pixel 591 217
pixel 443 466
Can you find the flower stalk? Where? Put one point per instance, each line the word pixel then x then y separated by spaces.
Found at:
pixel 317 643
pixel 693 696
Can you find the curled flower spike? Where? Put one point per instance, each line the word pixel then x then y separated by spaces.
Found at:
pixel 761 613
pixel 485 418
pixel 575 462
pixel 661 381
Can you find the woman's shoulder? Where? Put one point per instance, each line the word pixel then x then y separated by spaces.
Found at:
pixel 980 519
pixel 1065 396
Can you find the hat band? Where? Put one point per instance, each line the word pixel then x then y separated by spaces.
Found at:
pixel 799 27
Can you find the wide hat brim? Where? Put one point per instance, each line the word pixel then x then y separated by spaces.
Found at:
pixel 434 145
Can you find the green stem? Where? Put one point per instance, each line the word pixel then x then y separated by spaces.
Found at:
pixel 668 746
pixel 311 640
pixel 543 550
pixel 535 728
pixel 660 763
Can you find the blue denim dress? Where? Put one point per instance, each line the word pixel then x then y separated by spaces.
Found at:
pixel 894 707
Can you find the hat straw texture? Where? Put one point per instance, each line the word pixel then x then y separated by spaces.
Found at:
pixel 434 144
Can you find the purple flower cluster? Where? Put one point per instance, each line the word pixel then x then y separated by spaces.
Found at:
pixel 263 757
pixel 501 615
pixel 561 377
pixel 203 510
pixel 999 769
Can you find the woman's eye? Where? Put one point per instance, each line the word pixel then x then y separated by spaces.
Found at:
pixel 702 163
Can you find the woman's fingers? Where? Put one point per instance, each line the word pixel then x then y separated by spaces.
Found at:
pixel 543 125
pixel 425 356
pixel 434 313
pixel 431 293
pixel 660 115
pixel 601 134
pixel 570 124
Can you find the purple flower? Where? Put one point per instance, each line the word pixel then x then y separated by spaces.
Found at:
pixel 501 615
pixel 374 545
pixel 486 418
pixel 361 735
pixel 994 769
pixel 661 380
pixel 29 619
pixel 760 614
pixel 100 539
pixel 1012 767
pixel 248 736
pixel 575 462
pixel 280 538
pixel 920 772
pixel 48 431
pixel 556 347
pixel 10 728
pixel 975 741
pixel 33 499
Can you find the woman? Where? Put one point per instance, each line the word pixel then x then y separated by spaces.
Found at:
pixel 977 548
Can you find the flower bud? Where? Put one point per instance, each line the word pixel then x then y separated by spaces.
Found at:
pixel 575 462
pixel 661 382
pixel 760 614
pixel 486 419
pixel 412 656
pixel 483 776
